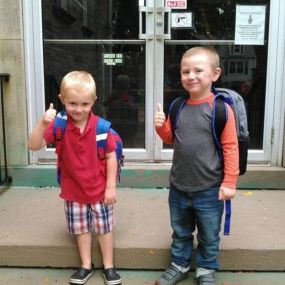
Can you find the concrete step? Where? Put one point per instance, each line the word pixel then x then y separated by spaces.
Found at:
pixel 33 230
pixel 36 276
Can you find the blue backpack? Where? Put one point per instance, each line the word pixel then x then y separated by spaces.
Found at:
pixel 219 118
pixel 102 129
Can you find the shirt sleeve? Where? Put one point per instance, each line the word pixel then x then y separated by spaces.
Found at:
pixel 229 143
pixel 111 144
pixel 48 134
pixel 165 132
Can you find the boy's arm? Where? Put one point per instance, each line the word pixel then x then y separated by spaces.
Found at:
pixel 163 127
pixel 36 139
pixel 110 192
pixel 231 158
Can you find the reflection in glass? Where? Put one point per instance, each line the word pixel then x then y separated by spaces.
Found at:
pixel 243 67
pixel 120 84
pixel 122 110
pixel 90 19
pixel 243 70
pixel 118 68
pixel 213 20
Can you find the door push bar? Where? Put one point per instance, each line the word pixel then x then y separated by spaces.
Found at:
pixel 4 77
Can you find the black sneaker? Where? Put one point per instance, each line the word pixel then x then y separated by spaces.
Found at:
pixel 111 276
pixel 82 275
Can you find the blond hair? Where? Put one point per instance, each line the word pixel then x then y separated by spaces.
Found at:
pixel 81 79
pixel 210 51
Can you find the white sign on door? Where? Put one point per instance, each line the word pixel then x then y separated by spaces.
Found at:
pixel 250 25
pixel 181 20
pixel 179 4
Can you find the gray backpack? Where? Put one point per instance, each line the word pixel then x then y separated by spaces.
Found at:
pixel 232 98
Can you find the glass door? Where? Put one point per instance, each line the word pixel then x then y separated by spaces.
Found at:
pixel 244 65
pixel 133 49
pixel 110 40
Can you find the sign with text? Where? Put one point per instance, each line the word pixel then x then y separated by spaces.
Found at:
pixel 112 58
pixel 250 24
pixel 179 4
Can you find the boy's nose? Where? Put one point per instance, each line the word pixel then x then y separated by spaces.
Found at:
pixel 78 109
pixel 191 75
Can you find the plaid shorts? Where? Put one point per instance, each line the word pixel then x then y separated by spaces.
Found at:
pixel 83 218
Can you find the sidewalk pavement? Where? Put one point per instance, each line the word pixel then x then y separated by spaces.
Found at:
pixel 33 230
pixel 16 276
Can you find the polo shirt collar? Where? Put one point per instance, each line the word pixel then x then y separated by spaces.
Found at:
pixel 89 125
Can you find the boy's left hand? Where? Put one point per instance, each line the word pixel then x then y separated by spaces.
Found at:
pixel 226 193
pixel 110 195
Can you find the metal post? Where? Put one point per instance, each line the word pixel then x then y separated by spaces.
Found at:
pixel 4 77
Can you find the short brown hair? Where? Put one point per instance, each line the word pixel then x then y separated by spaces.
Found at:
pixel 82 79
pixel 210 51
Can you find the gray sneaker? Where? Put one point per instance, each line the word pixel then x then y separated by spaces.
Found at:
pixel 207 279
pixel 171 276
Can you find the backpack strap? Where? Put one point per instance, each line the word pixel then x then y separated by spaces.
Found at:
pixel 219 120
pixel 119 153
pixel 102 129
pixel 174 111
pixel 58 131
pixel 119 144
pixel 228 214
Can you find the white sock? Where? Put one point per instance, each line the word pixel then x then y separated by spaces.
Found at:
pixel 181 268
pixel 203 271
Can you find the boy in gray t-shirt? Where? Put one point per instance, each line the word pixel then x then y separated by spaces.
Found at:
pixel 199 181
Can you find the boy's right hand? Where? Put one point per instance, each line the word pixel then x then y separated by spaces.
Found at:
pixel 49 115
pixel 159 117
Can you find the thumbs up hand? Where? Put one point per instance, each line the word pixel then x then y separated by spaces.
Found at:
pixel 49 115
pixel 159 117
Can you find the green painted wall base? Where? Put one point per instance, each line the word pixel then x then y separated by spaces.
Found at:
pixel 144 177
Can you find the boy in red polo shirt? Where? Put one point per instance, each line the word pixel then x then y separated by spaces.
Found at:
pixel 88 194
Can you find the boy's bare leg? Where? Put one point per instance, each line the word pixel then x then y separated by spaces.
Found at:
pixel 84 244
pixel 106 245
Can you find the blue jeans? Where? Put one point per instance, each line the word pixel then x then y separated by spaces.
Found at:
pixel 190 210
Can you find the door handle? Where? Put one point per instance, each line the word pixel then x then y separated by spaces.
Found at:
pixel 144 11
pixel 161 11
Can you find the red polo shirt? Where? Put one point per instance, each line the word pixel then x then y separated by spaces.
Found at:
pixel 81 178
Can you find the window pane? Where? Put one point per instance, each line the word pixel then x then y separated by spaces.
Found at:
pixel 240 67
pixel 89 19
pixel 251 84
pixel 119 72
pixel 213 19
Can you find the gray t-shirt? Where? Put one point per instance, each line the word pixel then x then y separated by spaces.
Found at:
pixel 196 164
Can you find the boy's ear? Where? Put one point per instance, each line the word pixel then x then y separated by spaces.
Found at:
pixel 217 74
pixel 61 98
